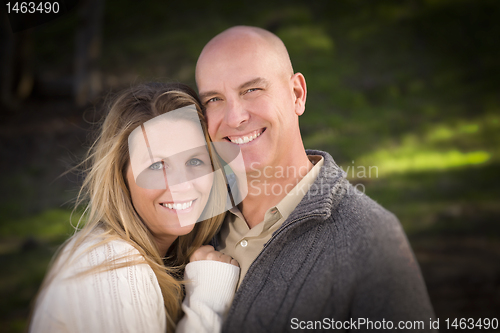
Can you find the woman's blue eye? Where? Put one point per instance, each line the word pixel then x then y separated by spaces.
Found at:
pixel 156 166
pixel 194 162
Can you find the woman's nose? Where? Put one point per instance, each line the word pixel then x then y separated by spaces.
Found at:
pixel 179 181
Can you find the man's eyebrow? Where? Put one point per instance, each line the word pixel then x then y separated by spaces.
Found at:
pixel 259 81
pixel 255 82
pixel 207 94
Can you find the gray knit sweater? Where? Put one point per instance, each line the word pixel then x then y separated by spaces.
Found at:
pixel 339 259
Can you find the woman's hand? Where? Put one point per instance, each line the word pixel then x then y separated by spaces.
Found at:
pixel 207 252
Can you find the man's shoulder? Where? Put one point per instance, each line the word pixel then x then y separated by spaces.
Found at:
pixel 359 207
pixel 333 191
pixel 344 205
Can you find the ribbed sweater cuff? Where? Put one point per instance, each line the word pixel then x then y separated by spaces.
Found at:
pixel 211 282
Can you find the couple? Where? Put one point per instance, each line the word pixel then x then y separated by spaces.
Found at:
pixel 301 249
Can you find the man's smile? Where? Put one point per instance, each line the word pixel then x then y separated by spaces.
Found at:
pixel 242 139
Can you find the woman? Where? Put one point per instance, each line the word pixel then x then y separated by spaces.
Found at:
pixel 121 272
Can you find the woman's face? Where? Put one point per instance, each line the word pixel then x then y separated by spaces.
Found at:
pixel 170 176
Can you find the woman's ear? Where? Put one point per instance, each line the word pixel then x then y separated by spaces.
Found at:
pixel 300 92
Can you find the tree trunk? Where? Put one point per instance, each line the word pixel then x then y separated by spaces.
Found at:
pixel 88 48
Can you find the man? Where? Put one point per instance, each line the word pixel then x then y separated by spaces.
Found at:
pixel 314 253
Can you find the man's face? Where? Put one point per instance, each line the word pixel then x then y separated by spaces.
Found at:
pixel 249 101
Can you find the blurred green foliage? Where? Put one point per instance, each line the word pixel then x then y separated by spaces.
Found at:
pixel 409 88
pixel 49 225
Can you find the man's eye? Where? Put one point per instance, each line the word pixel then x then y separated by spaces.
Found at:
pixel 213 99
pixel 250 90
pixel 194 162
pixel 156 166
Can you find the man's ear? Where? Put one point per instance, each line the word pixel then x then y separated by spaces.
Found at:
pixel 300 92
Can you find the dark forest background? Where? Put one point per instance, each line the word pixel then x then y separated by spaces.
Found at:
pixel 404 94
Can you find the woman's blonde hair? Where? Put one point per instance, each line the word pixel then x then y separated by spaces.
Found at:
pixel 107 197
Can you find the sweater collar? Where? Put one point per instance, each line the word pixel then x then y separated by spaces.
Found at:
pixel 318 201
pixel 325 193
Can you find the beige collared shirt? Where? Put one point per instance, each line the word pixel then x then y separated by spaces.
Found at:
pixel 244 244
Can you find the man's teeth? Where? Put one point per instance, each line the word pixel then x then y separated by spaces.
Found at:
pixel 245 139
pixel 178 206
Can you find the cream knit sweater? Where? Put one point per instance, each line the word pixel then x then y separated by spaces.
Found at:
pixel 129 299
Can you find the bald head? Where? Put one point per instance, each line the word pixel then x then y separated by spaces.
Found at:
pixel 239 40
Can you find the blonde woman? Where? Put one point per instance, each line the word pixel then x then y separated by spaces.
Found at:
pixel 122 272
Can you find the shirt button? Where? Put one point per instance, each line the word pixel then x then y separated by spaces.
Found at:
pixel 273 211
pixel 244 243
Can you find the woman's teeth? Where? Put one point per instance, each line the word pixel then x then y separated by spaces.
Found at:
pixel 178 206
pixel 245 139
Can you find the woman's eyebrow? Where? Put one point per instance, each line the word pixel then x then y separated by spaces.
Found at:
pixel 202 150
pixel 189 153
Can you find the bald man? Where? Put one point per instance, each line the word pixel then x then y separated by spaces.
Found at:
pixel 314 252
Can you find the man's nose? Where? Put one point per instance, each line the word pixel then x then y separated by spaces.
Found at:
pixel 236 114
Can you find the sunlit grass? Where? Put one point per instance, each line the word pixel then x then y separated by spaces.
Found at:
pixel 49 224
pixel 431 150
pixel 427 160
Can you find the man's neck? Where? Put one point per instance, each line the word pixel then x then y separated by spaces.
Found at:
pixel 270 186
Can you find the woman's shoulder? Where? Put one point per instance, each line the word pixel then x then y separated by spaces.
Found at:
pixel 95 256
pixel 96 260
pixel 101 285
